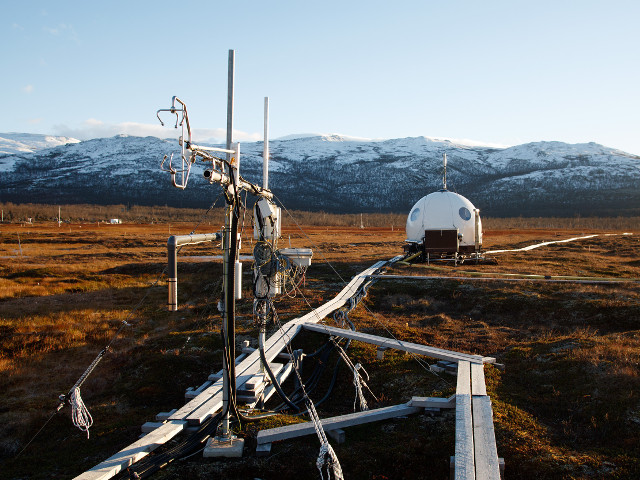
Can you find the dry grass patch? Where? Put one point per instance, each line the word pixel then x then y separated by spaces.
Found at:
pixel 567 405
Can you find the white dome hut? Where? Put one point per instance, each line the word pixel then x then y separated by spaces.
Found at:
pixel 444 222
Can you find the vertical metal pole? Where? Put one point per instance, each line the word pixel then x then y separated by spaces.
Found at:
pixel 227 298
pixel 477 232
pixel 444 178
pixel 228 270
pixel 265 152
pixel 230 80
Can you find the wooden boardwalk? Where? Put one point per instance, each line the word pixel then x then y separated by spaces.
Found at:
pixel 209 401
pixel 476 455
pixel 475 448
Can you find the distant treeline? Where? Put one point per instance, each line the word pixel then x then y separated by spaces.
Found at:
pixel 16 213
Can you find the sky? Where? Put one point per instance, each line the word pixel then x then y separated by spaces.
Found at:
pixel 495 72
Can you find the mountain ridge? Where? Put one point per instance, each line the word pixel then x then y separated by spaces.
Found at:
pixel 340 174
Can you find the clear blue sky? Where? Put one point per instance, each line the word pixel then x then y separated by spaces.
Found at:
pixel 504 72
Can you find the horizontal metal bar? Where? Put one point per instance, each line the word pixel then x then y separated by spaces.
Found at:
pixel 416 348
pixel 210 149
pixel 179 240
pixel 351 419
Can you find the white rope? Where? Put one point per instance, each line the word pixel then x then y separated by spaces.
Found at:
pixel 327 458
pixel 79 414
pixel 357 381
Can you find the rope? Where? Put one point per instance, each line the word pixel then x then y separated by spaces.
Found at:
pixel 341 316
pixel 38 432
pixel 358 381
pixel 79 413
pixel 327 459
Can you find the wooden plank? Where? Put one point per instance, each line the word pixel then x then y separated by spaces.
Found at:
pixel 263 450
pixel 433 402
pixel 212 405
pixel 416 348
pixel 464 457
pixel 189 407
pixel 134 452
pixel 463 385
pixel 342 421
pixel 478 386
pixel 150 426
pixel 484 440
pixel 162 416
pixel 270 390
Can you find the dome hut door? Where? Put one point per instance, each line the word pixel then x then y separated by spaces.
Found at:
pixel 441 241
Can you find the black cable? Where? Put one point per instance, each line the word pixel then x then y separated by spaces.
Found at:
pixel 274 380
pixel 313 381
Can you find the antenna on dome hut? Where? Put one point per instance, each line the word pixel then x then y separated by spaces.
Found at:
pixel 444 178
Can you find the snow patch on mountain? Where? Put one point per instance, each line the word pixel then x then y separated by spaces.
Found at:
pixel 11 143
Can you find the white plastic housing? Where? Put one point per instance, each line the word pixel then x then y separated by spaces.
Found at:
pixel 298 256
pixel 444 210
pixel 270 220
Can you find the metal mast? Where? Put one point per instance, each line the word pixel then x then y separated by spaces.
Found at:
pixel 226 173
pixel 265 151
pixel 230 251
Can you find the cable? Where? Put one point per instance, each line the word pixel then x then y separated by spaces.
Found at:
pixel 274 381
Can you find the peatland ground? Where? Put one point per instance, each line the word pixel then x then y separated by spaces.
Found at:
pixel 566 405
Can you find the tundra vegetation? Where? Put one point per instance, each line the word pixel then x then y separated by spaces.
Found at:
pixel 567 404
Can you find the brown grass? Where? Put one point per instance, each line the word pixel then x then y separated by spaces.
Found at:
pixel 566 406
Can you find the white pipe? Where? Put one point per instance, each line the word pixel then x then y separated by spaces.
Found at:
pixel 236 171
pixel 238 280
pixel 265 152
pixel 173 243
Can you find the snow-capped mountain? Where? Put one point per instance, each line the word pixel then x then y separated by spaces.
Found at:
pixel 11 143
pixel 335 173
